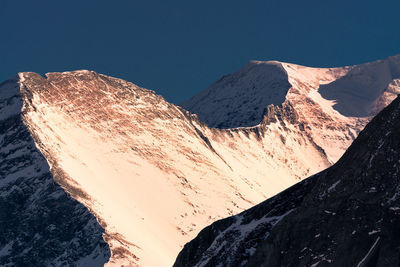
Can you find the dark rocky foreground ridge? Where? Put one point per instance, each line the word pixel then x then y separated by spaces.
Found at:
pixel 40 224
pixel 347 215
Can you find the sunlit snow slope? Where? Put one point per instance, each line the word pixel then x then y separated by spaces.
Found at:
pixel 154 175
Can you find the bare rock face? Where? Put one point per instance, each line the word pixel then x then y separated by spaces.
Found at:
pixel 347 215
pixel 153 174
pixel 40 225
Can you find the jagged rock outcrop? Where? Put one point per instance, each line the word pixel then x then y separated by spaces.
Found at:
pixel 347 215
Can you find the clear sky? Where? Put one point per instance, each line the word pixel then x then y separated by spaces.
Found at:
pixel 178 48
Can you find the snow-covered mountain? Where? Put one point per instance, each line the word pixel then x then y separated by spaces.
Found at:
pixel 40 224
pixel 154 174
pixel 332 104
pixel 347 215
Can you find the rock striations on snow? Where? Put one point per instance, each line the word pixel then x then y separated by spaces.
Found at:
pixel 40 225
pixel 153 174
pixel 347 215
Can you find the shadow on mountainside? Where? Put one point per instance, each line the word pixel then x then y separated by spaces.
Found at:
pixel 239 99
pixel 357 92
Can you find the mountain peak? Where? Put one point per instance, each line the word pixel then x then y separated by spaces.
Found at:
pixel 325 99
pixel 238 100
pixel 115 147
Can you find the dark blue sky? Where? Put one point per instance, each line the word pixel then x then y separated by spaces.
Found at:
pixel 178 48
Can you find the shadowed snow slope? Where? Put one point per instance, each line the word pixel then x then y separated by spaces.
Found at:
pixel 153 174
pixel 347 215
